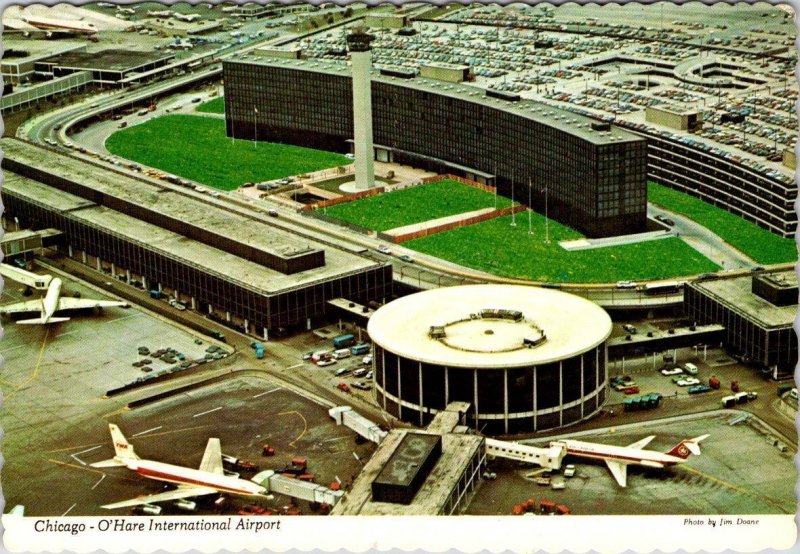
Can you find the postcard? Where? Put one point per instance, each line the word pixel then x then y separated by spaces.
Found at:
pixel 294 276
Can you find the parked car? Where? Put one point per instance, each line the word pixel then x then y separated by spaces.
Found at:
pixel 569 471
pixel 326 362
pixel 342 371
pixel 626 285
pixel 672 371
pixel 629 328
pixel 631 390
pixel 697 389
pixel 620 387
pixel 383 249
pixel 688 381
pixel 689 368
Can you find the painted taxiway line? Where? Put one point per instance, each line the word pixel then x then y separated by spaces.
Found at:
pixel 139 434
pixel 208 411
pixel 69 510
pixel 267 392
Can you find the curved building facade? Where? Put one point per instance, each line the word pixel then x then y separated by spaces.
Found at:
pixel 591 175
pixel 526 359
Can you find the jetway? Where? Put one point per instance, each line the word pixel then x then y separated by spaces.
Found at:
pixel 345 415
pixel 295 488
pixel 549 458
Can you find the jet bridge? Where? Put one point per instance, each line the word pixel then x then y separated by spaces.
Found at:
pixel 295 488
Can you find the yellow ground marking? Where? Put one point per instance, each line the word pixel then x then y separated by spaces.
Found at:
pixel 35 373
pixel 305 426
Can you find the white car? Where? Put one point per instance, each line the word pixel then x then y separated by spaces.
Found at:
pixel 569 471
pixel 326 363
pixel 366 360
pixel 384 249
pixel 689 381
pixel 626 285
pixel 673 371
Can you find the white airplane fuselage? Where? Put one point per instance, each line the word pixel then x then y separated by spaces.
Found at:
pixel 50 300
pixel 193 477
pixel 620 454
pixel 47 24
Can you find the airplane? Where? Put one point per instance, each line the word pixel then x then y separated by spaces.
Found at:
pixel 52 301
pixel 210 478
pixel 188 17
pixel 162 13
pixel 618 458
pixel 61 25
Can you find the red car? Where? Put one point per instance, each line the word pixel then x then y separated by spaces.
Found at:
pixel 631 390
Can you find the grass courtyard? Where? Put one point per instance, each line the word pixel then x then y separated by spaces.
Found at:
pixel 497 247
pixel 755 242
pixel 217 105
pixel 414 205
pixel 196 147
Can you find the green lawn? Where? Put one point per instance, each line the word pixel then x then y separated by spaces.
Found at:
pixel 757 243
pixel 496 247
pixel 196 147
pixel 217 105
pixel 414 205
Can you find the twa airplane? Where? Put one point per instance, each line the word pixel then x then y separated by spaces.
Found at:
pixel 52 301
pixel 618 458
pixel 53 25
pixel 210 478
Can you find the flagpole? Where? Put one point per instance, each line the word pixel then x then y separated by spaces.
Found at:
pixel 255 127
pixel 530 230
pixel 546 219
pixel 513 212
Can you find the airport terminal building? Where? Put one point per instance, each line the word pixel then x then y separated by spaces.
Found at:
pixel 525 358
pixel 239 269
pixel 591 175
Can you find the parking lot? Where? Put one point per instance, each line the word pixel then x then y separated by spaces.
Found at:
pixel 722 480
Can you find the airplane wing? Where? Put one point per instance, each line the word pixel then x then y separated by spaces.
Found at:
pixel 67 303
pixel 19 307
pixel 619 471
pixel 638 445
pixel 177 494
pixel 27 278
pixel 212 458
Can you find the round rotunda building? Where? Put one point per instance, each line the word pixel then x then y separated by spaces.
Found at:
pixel 526 358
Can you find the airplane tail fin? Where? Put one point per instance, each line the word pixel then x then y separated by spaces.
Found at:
pixel 41 321
pixel 686 448
pixel 122 447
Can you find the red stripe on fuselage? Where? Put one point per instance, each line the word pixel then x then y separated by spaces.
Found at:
pixel 599 456
pixel 172 478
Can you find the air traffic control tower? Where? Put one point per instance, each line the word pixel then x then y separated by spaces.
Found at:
pixel 358 43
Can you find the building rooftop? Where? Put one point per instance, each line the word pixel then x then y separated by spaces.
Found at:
pixel 489 326
pixel 21 51
pixel 183 207
pixel 457 451
pixel 213 260
pixel 108 60
pixel 570 122
pixel 736 294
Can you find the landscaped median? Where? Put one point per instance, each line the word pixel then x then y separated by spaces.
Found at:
pixel 195 147
pixel 217 105
pixel 754 241
pixel 498 247
pixel 415 205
